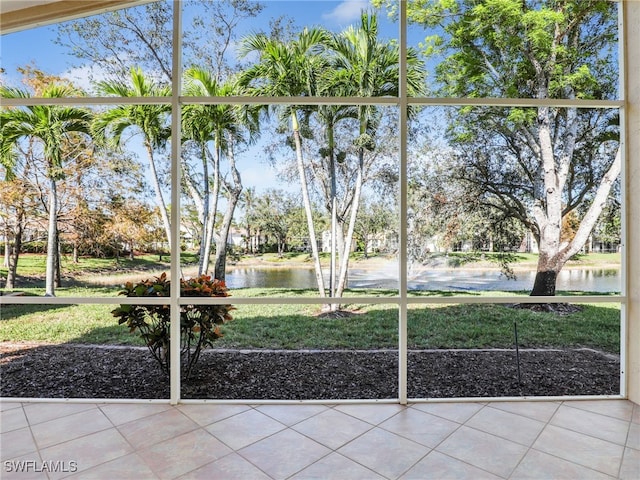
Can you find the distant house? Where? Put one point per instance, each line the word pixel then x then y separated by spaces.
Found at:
pixel 376 243
pixel 237 238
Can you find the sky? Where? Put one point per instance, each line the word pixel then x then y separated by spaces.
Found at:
pixel 37 45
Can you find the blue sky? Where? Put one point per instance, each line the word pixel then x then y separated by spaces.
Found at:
pixel 36 45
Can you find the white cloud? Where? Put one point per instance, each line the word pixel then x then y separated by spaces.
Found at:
pixel 86 76
pixel 81 76
pixel 346 12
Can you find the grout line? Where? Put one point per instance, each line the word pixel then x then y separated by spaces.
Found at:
pixel 570 429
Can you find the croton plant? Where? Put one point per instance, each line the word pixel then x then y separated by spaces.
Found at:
pixel 199 324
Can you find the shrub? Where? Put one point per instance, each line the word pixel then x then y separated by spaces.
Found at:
pixel 199 324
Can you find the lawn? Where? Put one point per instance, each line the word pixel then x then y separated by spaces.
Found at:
pixel 31 264
pixel 369 326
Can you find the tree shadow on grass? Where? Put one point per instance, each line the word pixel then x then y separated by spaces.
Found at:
pixel 13 311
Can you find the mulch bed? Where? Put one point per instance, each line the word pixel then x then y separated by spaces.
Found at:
pixel 80 371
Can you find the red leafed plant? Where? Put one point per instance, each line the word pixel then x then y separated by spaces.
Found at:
pixel 199 324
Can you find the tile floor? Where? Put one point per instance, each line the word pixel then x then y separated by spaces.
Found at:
pixel 573 440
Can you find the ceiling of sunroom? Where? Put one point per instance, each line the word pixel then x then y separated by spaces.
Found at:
pixel 20 14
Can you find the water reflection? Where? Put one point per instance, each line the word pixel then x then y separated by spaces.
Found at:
pixel 270 278
pixel 580 279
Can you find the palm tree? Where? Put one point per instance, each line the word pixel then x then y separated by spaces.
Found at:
pixel 149 120
pixel 290 69
pixel 225 126
pixel 330 116
pixel 362 66
pixel 53 126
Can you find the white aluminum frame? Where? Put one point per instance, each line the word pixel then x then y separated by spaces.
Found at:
pixel 402 300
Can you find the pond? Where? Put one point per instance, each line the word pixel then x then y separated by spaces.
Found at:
pixel 601 280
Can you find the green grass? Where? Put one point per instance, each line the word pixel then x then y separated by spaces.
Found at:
pixel 299 326
pixel 35 264
pixel 91 324
pixel 492 326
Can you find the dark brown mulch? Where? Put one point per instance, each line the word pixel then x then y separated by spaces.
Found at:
pixel 72 371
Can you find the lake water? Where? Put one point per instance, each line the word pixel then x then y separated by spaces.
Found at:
pixel 580 279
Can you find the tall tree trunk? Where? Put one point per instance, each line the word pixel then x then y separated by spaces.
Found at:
pixel 14 254
pixel 52 240
pixel 249 241
pixel 307 204
pixel 211 221
pixel 333 272
pixel 7 248
pixel 234 192
pixel 344 267
pixel 159 197
pixel 553 253
pixel 58 277
pixel 544 284
pixel 222 240
pixel 205 209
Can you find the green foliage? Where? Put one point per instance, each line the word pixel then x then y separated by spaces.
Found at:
pixel 199 324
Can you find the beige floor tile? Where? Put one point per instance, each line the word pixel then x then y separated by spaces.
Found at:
pixel 88 451
pixel 183 453
pixel 384 452
pixel 437 466
pixel 538 465
pixel 371 413
pixel 69 427
pixel 456 412
pixel 635 418
pixel 285 453
pixel 12 419
pixel 16 443
pixel 332 428
pixel 584 450
pixel 485 451
pixel 9 405
pixel 127 467
pixel 43 412
pixel 630 468
pixel 336 467
pixel 593 424
pixel 291 414
pixel 206 414
pixel 230 467
pixel 120 413
pixel 583 439
pixel 156 428
pixel 244 429
pixel 541 411
pixel 506 425
pixel 633 440
pixel 621 409
pixel 421 427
